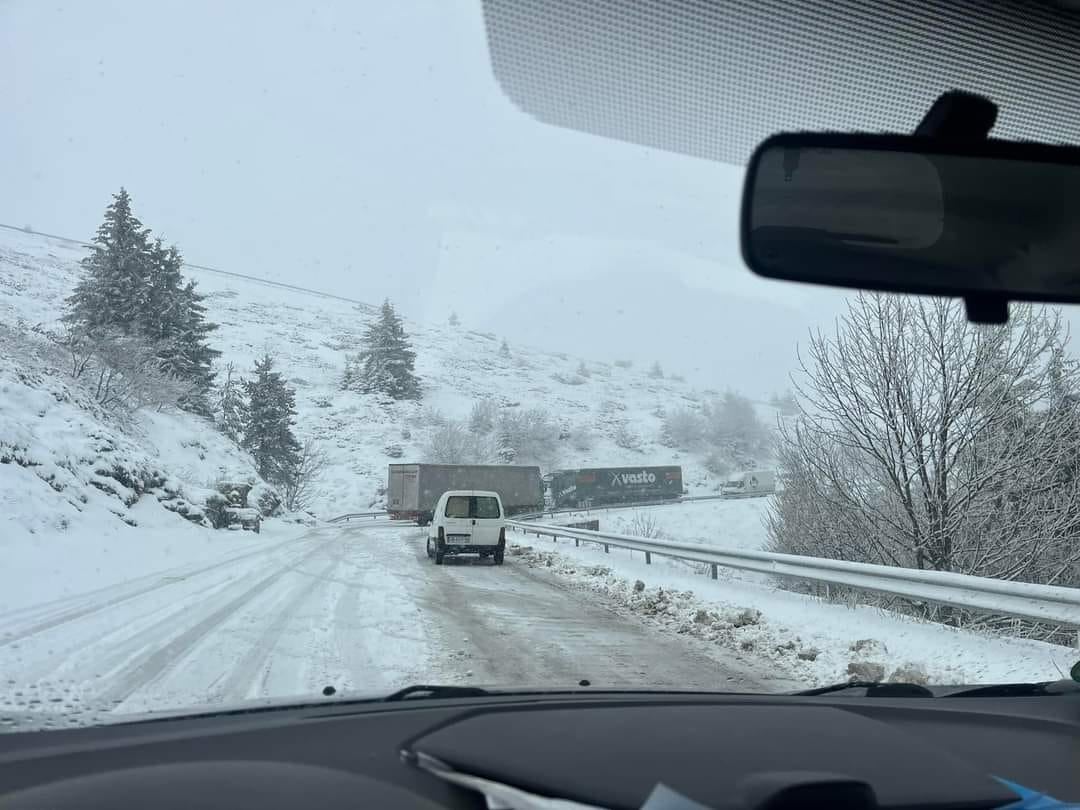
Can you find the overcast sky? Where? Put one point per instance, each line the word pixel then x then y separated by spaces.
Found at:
pixel 366 149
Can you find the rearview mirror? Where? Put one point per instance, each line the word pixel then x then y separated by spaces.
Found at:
pixel 987 221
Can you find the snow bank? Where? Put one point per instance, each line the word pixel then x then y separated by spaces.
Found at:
pixel 813 641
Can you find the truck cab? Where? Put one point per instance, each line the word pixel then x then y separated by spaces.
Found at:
pixel 467 522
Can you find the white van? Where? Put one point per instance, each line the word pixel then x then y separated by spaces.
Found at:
pixel 751 484
pixel 467 522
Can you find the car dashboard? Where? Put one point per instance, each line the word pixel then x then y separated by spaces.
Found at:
pixel 605 749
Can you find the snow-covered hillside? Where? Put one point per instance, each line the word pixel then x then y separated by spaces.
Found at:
pixel 311 335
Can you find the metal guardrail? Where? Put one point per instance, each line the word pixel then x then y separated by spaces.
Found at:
pixel 357 516
pixel 1046 603
pixel 561 511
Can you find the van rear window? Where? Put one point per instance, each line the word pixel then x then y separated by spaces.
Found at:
pixel 457 506
pixel 471 506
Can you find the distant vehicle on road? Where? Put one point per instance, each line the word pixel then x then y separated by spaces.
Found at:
pixel 749 484
pixel 600 486
pixel 413 489
pixel 467 522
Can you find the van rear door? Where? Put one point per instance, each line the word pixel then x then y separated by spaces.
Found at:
pixel 457 524
pixel 487 520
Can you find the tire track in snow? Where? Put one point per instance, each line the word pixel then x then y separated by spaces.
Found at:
pixel 252 668
pixel 376 653
pixel 150 666
pixel 163 579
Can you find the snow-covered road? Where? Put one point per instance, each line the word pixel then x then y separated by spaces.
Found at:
pixel 357 607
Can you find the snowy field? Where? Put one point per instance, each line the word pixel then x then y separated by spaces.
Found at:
pixel 311 336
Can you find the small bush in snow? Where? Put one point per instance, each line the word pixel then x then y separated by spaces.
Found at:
pixel 626 438
pixel 482 417
pixel 645 525
pixel 624 363
pixel 449 443
pixel 568 379
pixel 217 510
pixel 683 428
pixel 394 450
pixel 718 465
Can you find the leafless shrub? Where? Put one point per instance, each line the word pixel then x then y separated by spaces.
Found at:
pixel 927 442
pixel 683 428
pixel 643 524
pixel 301 484
pixel 120 372
pixel 449 443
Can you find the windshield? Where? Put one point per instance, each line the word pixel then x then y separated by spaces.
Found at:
pixel 275 279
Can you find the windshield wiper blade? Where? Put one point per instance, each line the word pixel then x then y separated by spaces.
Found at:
pixel 873 689
pixel 436 692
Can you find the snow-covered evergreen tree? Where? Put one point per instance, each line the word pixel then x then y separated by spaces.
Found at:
pixel 504 349
pixel 110 294
pixel 656 372
pixel 268 427
pixel 387 362
pixel 135 287
pixel 454 319
pixel 505 451
pixel 231 409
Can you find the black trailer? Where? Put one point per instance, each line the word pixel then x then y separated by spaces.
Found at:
pixel 600 486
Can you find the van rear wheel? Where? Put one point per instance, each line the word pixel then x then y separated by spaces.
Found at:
pixel 498 557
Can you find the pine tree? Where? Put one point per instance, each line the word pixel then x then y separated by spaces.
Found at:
pixel 111 293
pixel 268 426
pixel 656 372
pixel 454 320
pixel 386 364
pixel 504 349
pixel 136 287
pixel 195 356
pixel 231 409
pixel 350 380
pixel 505 451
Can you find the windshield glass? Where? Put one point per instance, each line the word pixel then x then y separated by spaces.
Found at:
pixel 273 279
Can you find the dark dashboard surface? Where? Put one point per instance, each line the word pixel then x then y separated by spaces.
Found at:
pixel 607 749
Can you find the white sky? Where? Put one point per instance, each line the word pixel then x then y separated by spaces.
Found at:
pixel 365 148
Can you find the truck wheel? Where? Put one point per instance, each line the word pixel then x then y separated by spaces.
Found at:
pixel 499 556
pixel 427 549
pixel 438 557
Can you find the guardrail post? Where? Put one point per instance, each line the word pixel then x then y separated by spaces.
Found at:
pixel 607 548
pixel 554 538
pixel 713 570
pixel 578 543
pixel 648 558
